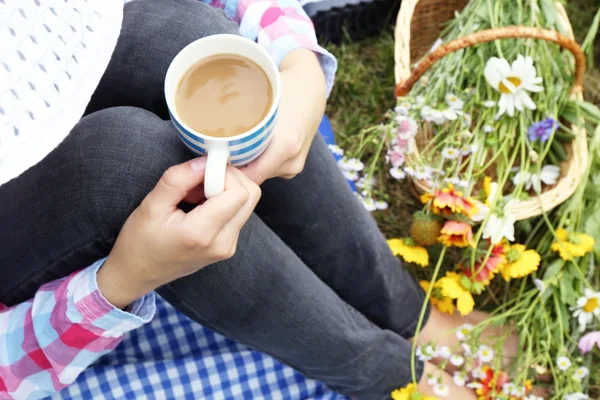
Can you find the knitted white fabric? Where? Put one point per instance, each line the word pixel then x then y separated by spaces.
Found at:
pixel 52 56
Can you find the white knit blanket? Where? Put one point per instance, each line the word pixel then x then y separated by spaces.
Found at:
pixel 52 56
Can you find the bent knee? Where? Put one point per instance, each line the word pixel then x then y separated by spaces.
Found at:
pixel 124 151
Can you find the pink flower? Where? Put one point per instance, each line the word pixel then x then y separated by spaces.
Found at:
pixel 586 343
pixel 395 156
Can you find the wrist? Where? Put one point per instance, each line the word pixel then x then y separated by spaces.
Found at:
pixel 118 286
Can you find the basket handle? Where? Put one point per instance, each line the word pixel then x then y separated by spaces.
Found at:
pixel 489 35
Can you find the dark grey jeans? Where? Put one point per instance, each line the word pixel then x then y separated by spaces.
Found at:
pixel 313 282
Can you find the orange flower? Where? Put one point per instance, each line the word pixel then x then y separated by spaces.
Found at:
pixel 484 273
pixel 455 233
pixel 450 201
pixel 491 383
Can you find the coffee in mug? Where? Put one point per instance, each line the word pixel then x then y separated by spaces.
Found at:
pixel 224 95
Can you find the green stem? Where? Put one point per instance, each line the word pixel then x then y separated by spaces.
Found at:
pixel 438 266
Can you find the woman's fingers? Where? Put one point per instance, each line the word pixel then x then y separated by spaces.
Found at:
pixel 212 216
pixel 174 186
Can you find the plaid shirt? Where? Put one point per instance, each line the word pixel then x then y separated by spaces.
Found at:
pixel 47 342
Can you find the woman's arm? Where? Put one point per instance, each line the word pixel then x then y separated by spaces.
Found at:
pixel 46 342
pixel 280 26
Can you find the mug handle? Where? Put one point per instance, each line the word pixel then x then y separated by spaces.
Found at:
pixel 216 163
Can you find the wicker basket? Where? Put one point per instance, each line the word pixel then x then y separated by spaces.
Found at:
pixel 419 25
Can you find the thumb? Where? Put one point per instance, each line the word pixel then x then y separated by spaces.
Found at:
pixel 176 183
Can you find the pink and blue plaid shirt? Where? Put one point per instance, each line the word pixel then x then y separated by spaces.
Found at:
pixel 47 342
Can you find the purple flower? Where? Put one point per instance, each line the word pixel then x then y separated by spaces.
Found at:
pixel 586 343
pixel 542 130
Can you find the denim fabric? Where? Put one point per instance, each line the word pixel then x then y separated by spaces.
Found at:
pixel 313 282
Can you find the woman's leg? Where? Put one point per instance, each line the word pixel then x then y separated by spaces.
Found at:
pixel 319 218
pixel 66 212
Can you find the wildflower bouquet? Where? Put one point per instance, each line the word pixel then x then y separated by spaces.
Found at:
pixel 486 130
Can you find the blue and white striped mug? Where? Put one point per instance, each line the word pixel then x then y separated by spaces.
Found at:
pixel 237 150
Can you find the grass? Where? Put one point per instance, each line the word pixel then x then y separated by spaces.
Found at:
pixel 364 92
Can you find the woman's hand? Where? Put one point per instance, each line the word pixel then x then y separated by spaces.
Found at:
pixel 160 243
pixel 303 96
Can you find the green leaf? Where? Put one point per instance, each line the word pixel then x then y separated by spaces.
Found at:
pixel 567 293
pixel 553 269
pixel 588 42
pixel 549 10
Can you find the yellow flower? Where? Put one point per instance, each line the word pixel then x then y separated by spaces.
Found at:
pixel 452 288
pixel 571 245
pixel 409 251
pixel 443 303
pixel 521 262
pixel 410 393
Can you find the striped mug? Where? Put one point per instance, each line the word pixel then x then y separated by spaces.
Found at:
pixel 237 150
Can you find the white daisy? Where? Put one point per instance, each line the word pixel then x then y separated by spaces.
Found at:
pixel 459 379
pixel 454 102
pixel 513 83
pixel 351 164
pixel 533 397
pixel 466 118
pixel 548 175
pixel 363 183
pixel 409 171
pixel 489 103
pixel 397 173
pixel 485 354
pixel 432 380
pixel 588 308
pixel 432 115
pixel 500 226
pixel 369 203
pixel 403 108
pixel 450 153
pixel 508 388
pixel 337 150
pixel 563 363
pixel 425 353
pixel 482 211
pixel 443 352
pixel 540 285
pixel 488 128
pixel 474 385
pixel 449 114
pixel 457 360
pixel 381 205
pixel 463 331
pixel 479 373
pixel 577 396
pixel 350 174
pixel 580 373
pixel 466 134
pixel 441 390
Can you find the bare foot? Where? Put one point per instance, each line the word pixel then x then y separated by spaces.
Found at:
pixel 441 329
